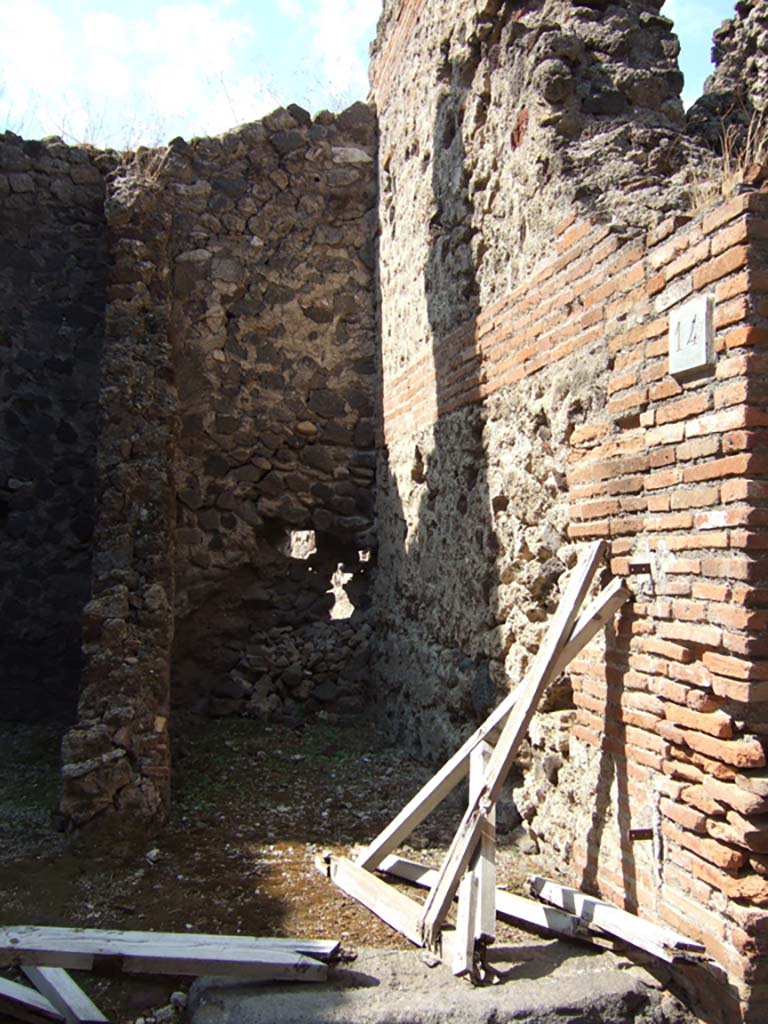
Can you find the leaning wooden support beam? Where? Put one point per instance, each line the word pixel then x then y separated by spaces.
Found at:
pixel 600 611
pixel 64 994
pixel 509 905
pixel 463 959
pixel 476 915
pixel 149 953
pixel 662 942
pixel 25 1003
pixel 538 678
pixel 393 907
pixel 484 861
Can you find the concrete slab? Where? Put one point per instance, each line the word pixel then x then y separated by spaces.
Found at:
pixel 542 983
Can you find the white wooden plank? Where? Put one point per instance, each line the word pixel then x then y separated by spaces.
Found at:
pixel 25 1003
pixel 597 613
pixel 463 957
pixel 320 949
pixel 508 905
pixel 600 611
pixel 64 994
pixel 537 679
pixel 80 949
pixel 393 907
pixel 433 792
pixel 484 862
pixel 111 941
pixel 661 941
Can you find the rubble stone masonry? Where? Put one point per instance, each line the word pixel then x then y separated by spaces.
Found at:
pixel 236 411
pixel 52 279
pixel 528 267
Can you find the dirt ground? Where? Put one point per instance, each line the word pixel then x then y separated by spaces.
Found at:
pixel 253 806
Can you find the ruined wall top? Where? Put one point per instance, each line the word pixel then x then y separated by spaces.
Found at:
pixel 738 87
pixel 739 52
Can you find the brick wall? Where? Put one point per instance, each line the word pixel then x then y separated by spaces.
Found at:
pixel 673 704
pixel 675 474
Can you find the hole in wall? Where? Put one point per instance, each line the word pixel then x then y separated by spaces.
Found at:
pixel 342 606
pixel 301 544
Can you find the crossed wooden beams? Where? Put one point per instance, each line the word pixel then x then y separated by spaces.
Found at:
pixel 468 869
pixel 47 954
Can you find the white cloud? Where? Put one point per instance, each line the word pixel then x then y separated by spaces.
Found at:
pixel 291 9
pixel 35 60
pixel 120 80
pixel 178 68
pixel 340 30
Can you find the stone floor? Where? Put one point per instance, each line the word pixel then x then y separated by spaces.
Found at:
pixel 551 982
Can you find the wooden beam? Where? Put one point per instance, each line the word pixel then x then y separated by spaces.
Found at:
pixel 662 942
pixel 484 861
pixel 432 793
pixel 318 949
pixel 463 959
pixel 537 679
pixel 25 1003
pixel 393 907
pixel 154 953
pixel 597 613
pixel 64 994
pixel 508 905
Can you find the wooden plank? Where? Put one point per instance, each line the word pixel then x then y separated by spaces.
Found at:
pixel 80 949
pixel 64 994
pixel 463 958
pixel 432 793
pixel 599 612
pixel 538 678
pixel 25 1003
pixel 508 905
pixel 319 949
pixel 393 907
pixel 484 863
pixel 474 894
pixel 661 941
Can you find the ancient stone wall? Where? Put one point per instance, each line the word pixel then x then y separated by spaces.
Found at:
pixel 496 120
pixel 116 757
pixel 737 91
pixel 236 419
pixel 275 366
pixel 526 279
pixel 52 280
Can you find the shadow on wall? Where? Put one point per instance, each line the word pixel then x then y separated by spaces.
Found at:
pixel 441 547
pixel 52 296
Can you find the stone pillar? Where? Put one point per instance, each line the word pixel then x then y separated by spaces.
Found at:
pixel 116 757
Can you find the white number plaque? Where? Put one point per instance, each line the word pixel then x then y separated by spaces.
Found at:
pixel 692 335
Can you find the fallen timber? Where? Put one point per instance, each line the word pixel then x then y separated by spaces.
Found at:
pixel 97 950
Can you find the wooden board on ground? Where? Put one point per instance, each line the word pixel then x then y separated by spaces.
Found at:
pixel 25 1003
pixel 318 949
pixel 64 994
pixel 155 953
pixel 661 941
pixel 393 907
pixel 509 905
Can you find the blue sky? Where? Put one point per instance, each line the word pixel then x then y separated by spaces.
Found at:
pixel 121 74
